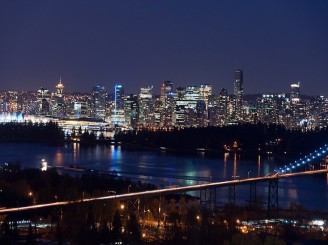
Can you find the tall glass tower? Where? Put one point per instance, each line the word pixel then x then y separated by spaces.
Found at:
pixel 98 102
pixel 119 97
pixel 238 91
pixel 295 93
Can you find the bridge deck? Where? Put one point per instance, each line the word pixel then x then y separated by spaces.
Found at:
pixel 162 192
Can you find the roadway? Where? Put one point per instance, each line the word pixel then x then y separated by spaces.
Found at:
pixel 163 192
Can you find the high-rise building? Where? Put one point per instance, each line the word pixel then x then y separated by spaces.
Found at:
pixel 201 114
pixel 119 97
pixel 185 109
pixel 117 114
pixel 223 107
pixel 146 106
pixel 167 104
pixel 166 88
pixel 131 110
pixel 98 102
pixel 80 110
pixel 267 109
pixel 58 105
pixel 43 99
pixel 238 91
pixel 295 93
pixel 205 90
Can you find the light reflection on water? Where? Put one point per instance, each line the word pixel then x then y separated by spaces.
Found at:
pixel 258 166
pixel 164 169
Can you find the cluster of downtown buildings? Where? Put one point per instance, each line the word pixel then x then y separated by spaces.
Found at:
pixel 191 106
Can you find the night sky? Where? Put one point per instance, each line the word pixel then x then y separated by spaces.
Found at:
pixel 137 43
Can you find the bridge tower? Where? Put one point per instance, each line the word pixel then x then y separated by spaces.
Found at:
pixel 273 208
pixel 208 198
pixel 252 194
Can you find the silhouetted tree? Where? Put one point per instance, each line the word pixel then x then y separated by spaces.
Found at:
pixel 117 225
pixel 133 230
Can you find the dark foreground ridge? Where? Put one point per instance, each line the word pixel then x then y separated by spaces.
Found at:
pixel 170 219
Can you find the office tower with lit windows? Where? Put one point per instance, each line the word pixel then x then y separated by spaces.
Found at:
pixel 167 104
pixel 296 105
pixel 131 110
pixel 186 109
pixel 117 115
pixel 267 109
pixel 146 107
pixel 320 112
pixel 119 97
pixel 223 104
pixel 212 110
pixel 43 100
pixel 99 98
pixel 158 112
pixel 295 93
pixel 201 114
pixel 205 90
pixel 166 88
pixel 238 91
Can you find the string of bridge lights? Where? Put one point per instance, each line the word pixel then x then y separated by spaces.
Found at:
pixel 306 160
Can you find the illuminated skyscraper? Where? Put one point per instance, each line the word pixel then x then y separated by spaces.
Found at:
pixel 98 102
pixel 58 105
pixel 146 106
pixel 119 97
pixel 295 93
pixel 166 88
pixel 223 107
pixel 238 91
pixel 131 110
pixel 205 90
pixel 43 98
pixel 167 104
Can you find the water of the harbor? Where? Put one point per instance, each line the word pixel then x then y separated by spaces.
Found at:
pixel 163 169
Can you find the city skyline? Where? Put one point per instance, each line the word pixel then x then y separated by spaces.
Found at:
pixel 141 43
pixel 156 90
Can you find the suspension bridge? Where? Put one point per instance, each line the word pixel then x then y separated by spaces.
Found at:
pixel 208 190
